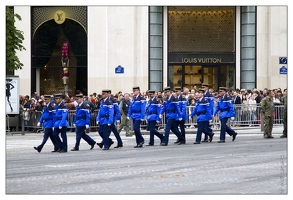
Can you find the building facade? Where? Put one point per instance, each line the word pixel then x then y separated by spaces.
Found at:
pixel 118 47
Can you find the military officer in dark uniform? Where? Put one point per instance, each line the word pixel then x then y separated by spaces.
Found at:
pixel 203 113
pixel 82 122
pixel 136 112
pixel 152 117
pixel 172 109
pixel 105 118
pixel 208 96
pixel 47 121
pixel 60 123
pixel 182 105
pixel 227 111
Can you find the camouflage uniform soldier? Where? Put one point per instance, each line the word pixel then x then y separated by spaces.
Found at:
pixel 285 118
pixel 267 109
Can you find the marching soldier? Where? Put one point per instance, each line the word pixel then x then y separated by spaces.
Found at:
pixel 136 112
pixel 267 110
pixel 152 117
pixel 182 105
pixel 60 123
pixel 171 107
pixel 47 121
pixel 203 112
pixel 81 122
pixel 208 96
pixel 284 135
pixel 117 118
pixel 227 111
pixel 105 118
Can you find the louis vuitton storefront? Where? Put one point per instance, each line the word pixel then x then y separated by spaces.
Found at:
pixel 201 46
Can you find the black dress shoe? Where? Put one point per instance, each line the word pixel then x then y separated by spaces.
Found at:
pixel 138 146
pixel 177 141
pixel 163 144
pixel 196 143
pixel 234 136
pixel 62 151
pixel 211 137
pixel 283 136
pixel 149 145
pixel 181 142
pixel 118 146
pixel 105 148
pixel 56 150
pixel 111 143
pixel 92 146
pixel 270 136
pixel 100 144
pixel 205 141
pixel 74 149
pixel 221 141
pixel 36 148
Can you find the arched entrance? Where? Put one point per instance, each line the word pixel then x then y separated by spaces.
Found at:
pixel 46 56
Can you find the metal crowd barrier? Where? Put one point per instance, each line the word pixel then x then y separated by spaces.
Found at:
pixel 245 116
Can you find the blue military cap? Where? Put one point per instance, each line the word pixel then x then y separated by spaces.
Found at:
pixel 106 91
pixel 58 95
pixel 46 96
pixel 151 92
pixel 222 88
pixel 135 88
pixel 177 88
pixel 167 89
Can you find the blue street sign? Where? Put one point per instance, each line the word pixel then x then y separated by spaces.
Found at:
pixel 282 60
pixel 119 70
pixel 283 70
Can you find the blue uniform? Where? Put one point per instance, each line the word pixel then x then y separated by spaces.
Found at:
pixel 60 121
pixel 172 109
pixel 182 106
pixel 47 121
pixel 203 115
pixel 117 117
pixel 82 118
pixel 136 111
pixel 106 118
pixel 226 109
pixel 152 116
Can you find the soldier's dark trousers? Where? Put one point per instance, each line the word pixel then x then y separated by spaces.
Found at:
pixel 60 144
pixel 171 125
pixel 181 124
pixel 154 132
pixel 200 127
pixel 80 133
pixel 116 134
pixel 47 134
pixel 225 128
pixel 106 132
pixel 138 135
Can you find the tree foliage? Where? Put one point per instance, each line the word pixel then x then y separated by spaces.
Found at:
pixel 14 39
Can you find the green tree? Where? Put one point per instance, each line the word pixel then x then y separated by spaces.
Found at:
pixel 14 38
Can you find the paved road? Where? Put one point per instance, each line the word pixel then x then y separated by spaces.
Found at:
pixel 249 165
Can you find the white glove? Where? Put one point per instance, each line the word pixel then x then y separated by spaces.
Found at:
pixel 74 125
pixel 97 122
pixel 141 120
pixel 53 128
pixel 118 121
pixel 128 118
pixel 158 122
pixel 146 121
pixel 210 121
pixel 87 126
pixel 109 124
pixel 232 118
pixel 60 127
pixel 75 103
pixel 180 119
pixel 160 116
pixel 39 124
pixel 190 117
